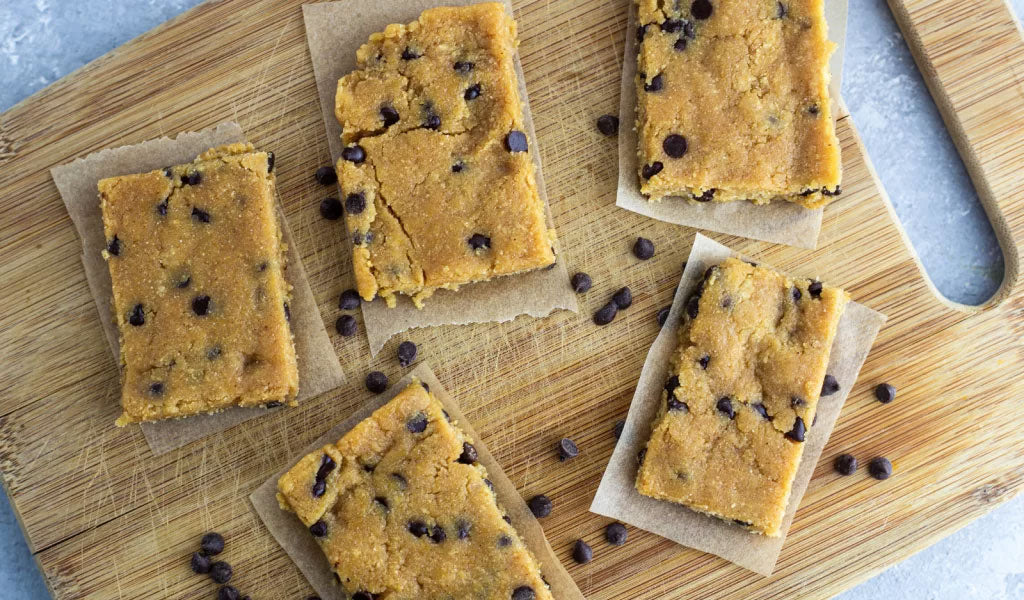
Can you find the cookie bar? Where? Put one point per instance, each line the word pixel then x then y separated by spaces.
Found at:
pixel 201 303
pixel 436 174
pixel 402 509
pixel 741 394
pixel 733 101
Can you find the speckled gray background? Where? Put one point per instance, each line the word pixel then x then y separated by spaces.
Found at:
pixel 43 40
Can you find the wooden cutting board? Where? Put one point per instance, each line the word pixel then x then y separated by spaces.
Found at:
pixel 106 519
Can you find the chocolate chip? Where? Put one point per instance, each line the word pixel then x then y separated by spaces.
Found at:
pixel 706 196
pixel 376 382
pixel 200 215
pixel 797 402
pixel 885 393
pixel 567 449
pixel 506 519
pixel 809 192
pixel 330 209
pixel 319 488
pixel 389 115
pixel 469 454
pixel 880 468
pixel 432 121
pixel 672 25
pixel 156 389
pixel 727 302
pixel 623 298
pixel 581 282
pixel 703 361
pixel 138 316
pixel 349 300
pixel 462 529
pixel 829 386
pixel 701 9
pixel 359 238
pixel 479 241
pixel 201 305
pixel 656 84
pixel 693 306
pixel 472 92
pixel 346 325
pixel 318 529
pixel 437 534
pixel 168 172
pixel 406 353
pixel 617 430
pixel 796 293
pixel 418 528
pixel 523 592
pixel 616 534
pixel 362 595
pixel 606 314
pixel 417 424
pixel 192 178
pixel 845 464
pixel 488 483
pixel 161 209
pixel 663 315
pixel 515 141
pixel 213 353
pixel 815 289
pixel 643 248
pixel 780 10
pixel 227 592
pixel 641 31
pixel 675 405
pixel 271 160
pixel 761 410
pixel 327 465
pixel 813 110
pixel 220 572
pixel 608 124
pixel 540 506
pixel 835 192
pixel 458 167
pixel 797 433
pixel 114 246
pixel 680 44
pixel 410 54
pixel 724 406
pixel 274 404
pixel 200 563
pixel 581 552
pixel 463 66
pixel 504 541
pixel 641 455
pixel 671 384
pixel 354 154
pixel 652 169
pixel 355 203
pixel 674 145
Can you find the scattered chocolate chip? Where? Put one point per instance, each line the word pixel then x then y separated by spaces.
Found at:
pixel 228 593
pixel 410 54
pixel 640 32
pixel 581 552
pixel 693 306
pixel 463 66
pixel 274 404
pixel 161 209
pixel 796 293
pixel 780 10
pixel 462 529
pixel 701 9
pixel 354 154
pixel 418 528
pixel 675 405
pixel 829 386
pixel 220 572
pixel 417 424
pixel 815 289
pixel 641 455
pixel 724 406
pixel 515 141
pixel 880 468
pixel 672 25
pixel 506 519
pixel 814 110
pixel 327 465
pixel 472 92
pixel 458 166
pixel 319 488
pixel 200 563
pixel 797 402
pixel 703 361
pixel 797 433
pixel 192 178
pixel 432 121
pixel 437 534
pixel 680 44
pixel 389 115
pixel 623 298
pixel 581 282
pixel 355 203
pixel 469 455
pixel 376 382
pixel 330 209
pixel 156 389
pixel 349 300
pixel 655 84
pixel 346 325
pixel 674 145
pixel 761 410
pixel 643 248
pixel 606 314
pixel 663 315
pixel 835 192
pixel 271 160
pixel 652 169
pixel 608 124
pixel 479 241
pixel 504 541
pixel 885 393
pixel 406 353
pixel 671 384
pixel 540 506
pixel 318 529
pixel 616 534
pixel 201 305
pixel 114 246
pixel 523 592
pixel 567 449
pixel 200 215
pixel 845 464
pixel 617 430
pixel 706 196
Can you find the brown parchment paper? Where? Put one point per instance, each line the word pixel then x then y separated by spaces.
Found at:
pixel 319 369
pixel 298 544
pixel 617 497
pixel 334 31
pixel 779 222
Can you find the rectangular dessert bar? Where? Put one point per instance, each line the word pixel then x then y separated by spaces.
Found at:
pixel 402 509
pixel 741 394
pixel 197 267
pixel 733 101
pixel 436 176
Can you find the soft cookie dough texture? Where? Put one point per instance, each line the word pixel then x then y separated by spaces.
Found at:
pixel 197 268
pixel 741 394
pixel 733 101
pixel 403 511
pixel 436 176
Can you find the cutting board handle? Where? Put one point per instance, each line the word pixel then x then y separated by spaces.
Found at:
pixel 971 55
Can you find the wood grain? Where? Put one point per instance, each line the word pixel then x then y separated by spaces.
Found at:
pixel 107 520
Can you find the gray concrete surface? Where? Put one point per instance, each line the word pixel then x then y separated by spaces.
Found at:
pixel 43 40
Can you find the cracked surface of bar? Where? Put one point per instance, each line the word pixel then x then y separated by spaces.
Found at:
pixel 436 175
pixel 200 299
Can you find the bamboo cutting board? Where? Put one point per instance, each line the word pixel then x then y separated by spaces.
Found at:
pixel 106 519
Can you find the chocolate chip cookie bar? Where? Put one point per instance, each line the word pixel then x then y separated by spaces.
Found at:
pixel 200 299
pixel 402 509
pixel 741 394
pixel 733 101
pixel 436 173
